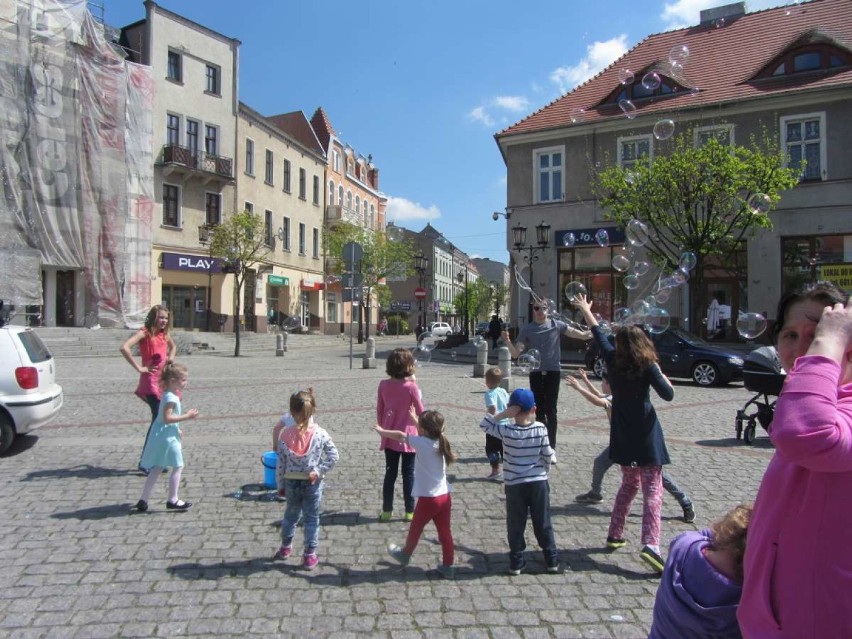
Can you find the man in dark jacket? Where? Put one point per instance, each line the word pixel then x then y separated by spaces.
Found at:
pixel 495 327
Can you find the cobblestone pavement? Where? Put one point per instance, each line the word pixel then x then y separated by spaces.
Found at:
pixel 77 563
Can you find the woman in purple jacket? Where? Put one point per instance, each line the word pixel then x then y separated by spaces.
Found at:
pixel 798 568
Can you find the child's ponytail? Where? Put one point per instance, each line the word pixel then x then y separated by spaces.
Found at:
pixel 302 407
pixel 171 370
pixel 431 422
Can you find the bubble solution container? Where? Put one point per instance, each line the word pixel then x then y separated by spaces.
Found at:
pixel 270 460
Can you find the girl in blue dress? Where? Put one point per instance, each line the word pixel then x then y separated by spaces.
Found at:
pixel 163 448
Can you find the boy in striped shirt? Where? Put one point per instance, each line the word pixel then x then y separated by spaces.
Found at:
pixel 526 460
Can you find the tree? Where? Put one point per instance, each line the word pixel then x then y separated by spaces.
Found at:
pixel 706 200
pixel 241 242
pixel 382 257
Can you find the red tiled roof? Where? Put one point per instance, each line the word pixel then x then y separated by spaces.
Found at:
pixel 322 127
pixel 297 125
pixel 722 63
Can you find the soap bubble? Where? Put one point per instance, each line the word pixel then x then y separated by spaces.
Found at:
pixel 759 203
pixel 569 239
pixel 639 308
pixel 662 296
pixel 602 238
pixel 574 290
pixel 422 356
pixel 664 129
pixel 636 233
pixel 750 325
pixel 577 116
pixel 628 107
pixel 549 305
pixel 620 263
pixel 291 323
pixel 679 276
pixel 631 282
pixel 657 320
pixel 641 267
pixel 687 261
pixel 477 340
pixel 534 358
pixel 453 354
pixel 679 54
pixel 522 283
pixel 625 76
pixel 651 80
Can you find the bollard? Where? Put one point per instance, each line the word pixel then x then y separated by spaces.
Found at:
pixel 370 353
pixel 280 346
pixel 504 360
pixel 481 364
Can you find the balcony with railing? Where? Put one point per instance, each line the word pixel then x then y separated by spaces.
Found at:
pixel 187 161
pixel 339 213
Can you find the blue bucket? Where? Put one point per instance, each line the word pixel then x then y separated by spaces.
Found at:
pixel 270 461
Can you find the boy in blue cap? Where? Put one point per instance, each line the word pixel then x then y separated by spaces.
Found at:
pixel 526 460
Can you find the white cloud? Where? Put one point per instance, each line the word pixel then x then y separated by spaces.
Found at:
pixel 401 209
pixel 687 13
pixel 512 102
pixel 480 114
pixel 598 56
pixel 485 113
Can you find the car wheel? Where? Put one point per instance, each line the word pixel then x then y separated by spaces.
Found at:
pixel 7 433
pixel 599 367
pixel 705 374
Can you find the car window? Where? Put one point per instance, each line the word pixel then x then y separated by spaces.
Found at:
pixel 36 350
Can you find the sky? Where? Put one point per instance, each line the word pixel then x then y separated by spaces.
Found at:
pixel 423 86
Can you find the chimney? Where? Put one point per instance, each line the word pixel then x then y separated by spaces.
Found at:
pixel 722 15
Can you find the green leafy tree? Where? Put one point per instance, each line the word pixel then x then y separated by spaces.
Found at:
pixel 382 257
pixel 241 242
pixel 698 199
pixel 500 297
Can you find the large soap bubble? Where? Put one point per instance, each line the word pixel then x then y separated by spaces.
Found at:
pixel 569 239
pixel 422 355
pixel 522 283
pixel 759 203
pixel 292 323
pixel 679 54
pixel 651 80
pixel 621 316
pixel 688 260
pixel 664 129
pixel 626 76
pixel 641 267
pixel 534 358
pixel 636 233
pixel 750 325
pixel 631 282
pixel 574 290
pixel 602 238
pixel 620 263
pixel 657 320
pixel 628 107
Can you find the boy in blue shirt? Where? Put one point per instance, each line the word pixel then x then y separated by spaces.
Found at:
pixel 496 401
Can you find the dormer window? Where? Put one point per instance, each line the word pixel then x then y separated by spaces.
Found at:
pixel 809 57
pixel 638 90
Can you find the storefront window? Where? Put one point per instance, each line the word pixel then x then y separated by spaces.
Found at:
pixel 591 266
pixel 819 257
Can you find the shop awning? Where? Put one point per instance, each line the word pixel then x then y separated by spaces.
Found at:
pixel 312 285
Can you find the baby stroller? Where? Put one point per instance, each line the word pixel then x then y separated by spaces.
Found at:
pixel 762 374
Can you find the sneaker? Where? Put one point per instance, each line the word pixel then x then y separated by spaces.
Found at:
pixel 689 514
pixel 141 506
pixel 517 569
pixel 553 568
pixel 590 497
pixel 447 572
pixel 613 542
pixel 283 552
pixel 653 559
pixel 495 475
pixel 409 516
pixel 397 553
pixel 310 561
pixel 385 515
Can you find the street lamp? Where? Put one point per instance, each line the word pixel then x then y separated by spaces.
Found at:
pixel 421 264
pixel 205 238
pixel 462 277
pixel 529 253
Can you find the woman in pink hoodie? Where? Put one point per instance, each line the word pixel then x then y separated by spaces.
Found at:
pixel 798 568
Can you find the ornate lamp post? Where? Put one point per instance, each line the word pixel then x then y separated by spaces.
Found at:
pixel 462 278
pixel 205 238
pixel 421 264
pixel 530 253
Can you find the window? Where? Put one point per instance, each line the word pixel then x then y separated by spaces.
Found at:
pixel 809 258
pixel 724 134
pixel 213 208
pixel 804 139
pixel 248 207
pixel 549 171
pixel 285 231
pixel 372 216
pixel 287 175
pixel 357 205
pixel 630 150
pixel 171 205
pixel 340 195
pixel 349 200
pixel 315 243
pixel 316 189
pixel 331 193
pixel 267 227
pixel 249 156
pixel 174 68
pixel 172 130
pixel 269 167
pixel 192 136
pixel 336 161
pixel 213 80
pixel 302 184
pixel 331 306
pixel 812 57
pixel 350 166
pixel 301 238
pixel 211 139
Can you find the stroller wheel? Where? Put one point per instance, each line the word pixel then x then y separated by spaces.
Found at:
pixel 750 432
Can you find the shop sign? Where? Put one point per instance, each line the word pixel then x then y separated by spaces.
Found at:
pixel 586 237
pixel 400 306
pixel 278 280
pixel 839 274
pixel 199 264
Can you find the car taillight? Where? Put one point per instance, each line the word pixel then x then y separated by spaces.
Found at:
pixel 27 377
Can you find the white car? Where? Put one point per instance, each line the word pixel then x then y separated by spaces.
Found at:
pixel 440 329
pixel 29 394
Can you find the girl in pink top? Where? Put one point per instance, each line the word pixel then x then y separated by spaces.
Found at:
pixel 156 348
pixel 398 406
pixel 798 569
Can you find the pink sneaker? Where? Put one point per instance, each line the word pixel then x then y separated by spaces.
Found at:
pixel 283 552
pixel 309 562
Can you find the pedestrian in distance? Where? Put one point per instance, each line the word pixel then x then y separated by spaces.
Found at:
pixel 398 405
pixel 527 454
pixel 544 335
pixel 701 585
pixel 798 573
pixel 636 440
pixel 496 401
pixel 306 453
pixel 495 329
pixel 603 462
pixel 164 449
pixel 156 348
pixel 434 503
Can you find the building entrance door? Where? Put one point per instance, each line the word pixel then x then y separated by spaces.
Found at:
pixel 65 295
pixel 186 305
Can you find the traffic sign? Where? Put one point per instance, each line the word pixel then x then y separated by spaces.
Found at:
pixel 420 293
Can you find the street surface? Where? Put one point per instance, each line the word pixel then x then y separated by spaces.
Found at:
pixel 77 563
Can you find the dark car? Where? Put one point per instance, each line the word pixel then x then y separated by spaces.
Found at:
pixel 683 354
pixel 481 328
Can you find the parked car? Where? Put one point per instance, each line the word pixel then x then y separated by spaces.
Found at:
pixel 683 354
pixel 481 328
pixel 29 394
pixel 440 329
